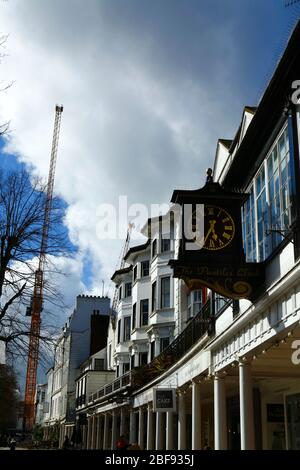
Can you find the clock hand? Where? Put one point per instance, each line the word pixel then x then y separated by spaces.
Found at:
pixel 207 234
pixel 214 235
pixel 211 229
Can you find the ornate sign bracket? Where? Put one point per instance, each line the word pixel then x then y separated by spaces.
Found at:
pixel 220 263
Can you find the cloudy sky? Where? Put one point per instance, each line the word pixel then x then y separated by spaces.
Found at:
pixel 147 87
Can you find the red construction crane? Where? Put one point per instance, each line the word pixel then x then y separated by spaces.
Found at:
pixel 37 299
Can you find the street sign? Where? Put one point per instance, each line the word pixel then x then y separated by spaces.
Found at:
pixel 164 399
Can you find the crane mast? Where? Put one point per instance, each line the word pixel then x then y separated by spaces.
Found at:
pixel 37 299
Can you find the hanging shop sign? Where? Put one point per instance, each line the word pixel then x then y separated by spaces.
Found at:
pixel 215 258
pixel 164 399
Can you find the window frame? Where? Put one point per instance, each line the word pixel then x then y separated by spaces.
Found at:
pixel 126 332
pixel 162 280
pixel 142 313
pixel 143 268
pixel 126 296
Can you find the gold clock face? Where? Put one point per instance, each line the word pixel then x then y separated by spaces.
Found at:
pixel 219 228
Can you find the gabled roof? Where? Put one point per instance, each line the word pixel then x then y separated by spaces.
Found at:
pixel 226 142
pixel 269 115
pixel 120 272
pixel 250 109
pixel 137 249
pixel 247 109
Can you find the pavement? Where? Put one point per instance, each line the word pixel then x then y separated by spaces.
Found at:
pixel 17 448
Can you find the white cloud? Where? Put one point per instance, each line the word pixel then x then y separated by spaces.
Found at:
pixel 135 122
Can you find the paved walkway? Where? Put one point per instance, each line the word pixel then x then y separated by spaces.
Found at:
pixel 17 448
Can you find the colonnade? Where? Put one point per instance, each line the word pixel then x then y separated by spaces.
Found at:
pixel 156 430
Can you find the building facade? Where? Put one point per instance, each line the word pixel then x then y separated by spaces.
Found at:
pixel 81 337
pixel 234 364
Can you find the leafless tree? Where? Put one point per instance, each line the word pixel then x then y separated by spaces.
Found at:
pixel 22 207
pixel 4 127
pixel 9 398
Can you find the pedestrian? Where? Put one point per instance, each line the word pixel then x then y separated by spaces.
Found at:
pixel 134 446
pixel 121 443
pixel 66 443
pixel 12 444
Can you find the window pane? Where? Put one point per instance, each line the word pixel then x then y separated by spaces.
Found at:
pixel 119 331
pixel 127 328
pixel 165 244
pixel 99 364
pixel 154 296
pixel 128 289
pixel 154 248
pixel 165 292
pixel 144 268
pixel 144 312
pixel 164 343
pixel 133 316
pixel 274 212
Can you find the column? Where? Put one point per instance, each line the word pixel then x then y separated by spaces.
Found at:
pixel 220 417
pixel 181 422
pixel 132 428
pixel 159 431
pixel 91 432
pixel 246 407
pixel 150 428
pixel 105 431
pixel 84 433
pixel 122 422
pixel 97 421
pixel 88 433
pixel 99 444
pixel 169 431
pixel 60 438
pixel 94 432
pixel 141 428
pixel 114 430
pixel 196 416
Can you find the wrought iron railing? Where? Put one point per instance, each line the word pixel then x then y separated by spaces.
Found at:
pixel 116 386
pixel 203 323
pixel 198 326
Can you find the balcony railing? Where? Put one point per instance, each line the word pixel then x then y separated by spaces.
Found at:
pixel 112 388
pixel 203 323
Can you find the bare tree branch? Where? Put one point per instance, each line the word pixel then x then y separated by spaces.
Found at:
pixel 22 207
